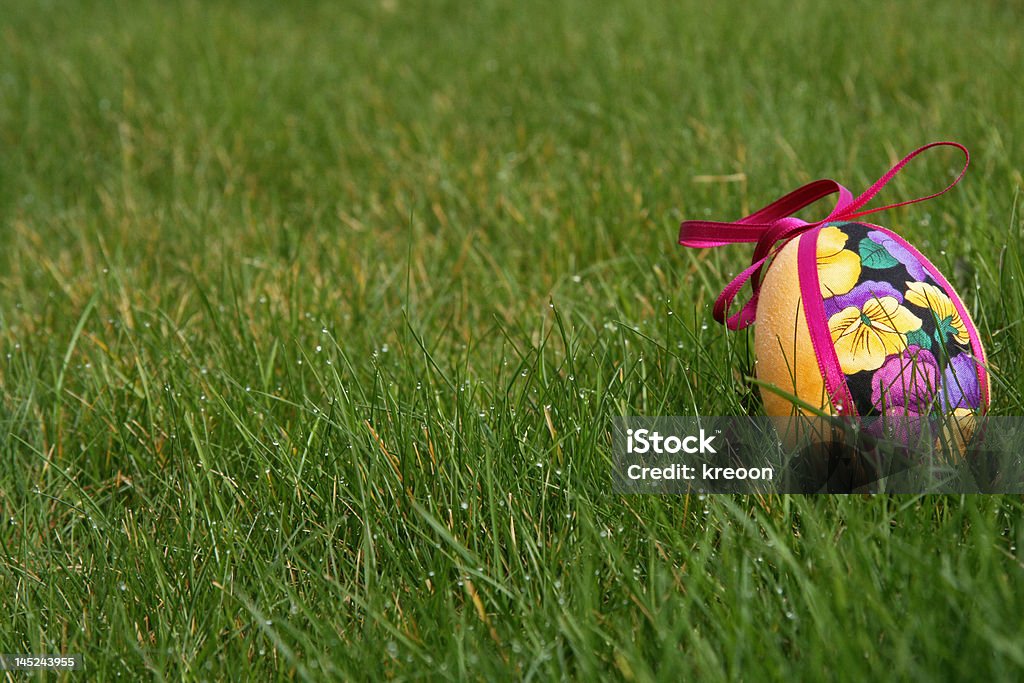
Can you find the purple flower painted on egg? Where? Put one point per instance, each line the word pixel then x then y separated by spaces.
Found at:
pixel 900 253
pixel 860 295
pixel 902 426
pixel 960 384
pixel 907 383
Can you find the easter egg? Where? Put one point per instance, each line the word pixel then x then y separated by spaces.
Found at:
pixel 853 321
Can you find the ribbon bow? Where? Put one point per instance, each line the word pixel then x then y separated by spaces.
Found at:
pixel 773 226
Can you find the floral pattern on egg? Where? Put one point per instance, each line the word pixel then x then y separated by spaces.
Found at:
pixel 900 341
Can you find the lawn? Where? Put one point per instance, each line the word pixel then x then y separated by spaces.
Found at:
pixel 314 318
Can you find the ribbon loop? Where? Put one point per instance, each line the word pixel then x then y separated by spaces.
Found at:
pixel 773 226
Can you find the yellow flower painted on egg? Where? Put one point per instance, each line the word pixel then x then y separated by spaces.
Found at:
pixel 948 321
pixel 838 267
pixel 864 337
pixel 957 430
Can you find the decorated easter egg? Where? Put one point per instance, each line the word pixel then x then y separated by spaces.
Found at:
pixel 852 320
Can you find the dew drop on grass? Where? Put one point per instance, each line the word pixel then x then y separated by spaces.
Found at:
pixel 464 505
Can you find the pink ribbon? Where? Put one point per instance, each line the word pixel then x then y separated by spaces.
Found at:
pixel 773 226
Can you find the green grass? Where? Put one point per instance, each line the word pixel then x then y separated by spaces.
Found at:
pixel 313 320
